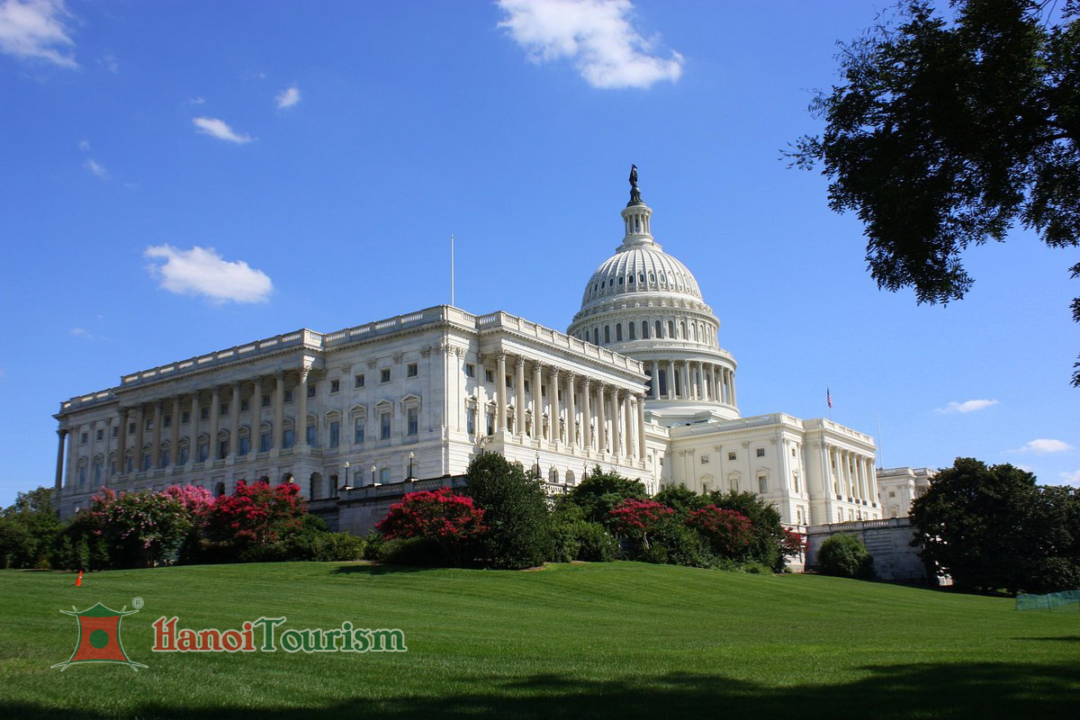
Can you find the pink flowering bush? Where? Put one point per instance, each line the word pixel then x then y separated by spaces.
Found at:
pixel 638 519
pixel 728 532
pixel 139 529
pixel 448 520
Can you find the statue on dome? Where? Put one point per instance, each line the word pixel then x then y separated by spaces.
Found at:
pixel 635 192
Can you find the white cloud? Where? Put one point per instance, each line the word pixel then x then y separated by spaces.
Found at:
pixel 96 168
pixel 196 101
pixel 37 29
pixel 1043 446
pixel 1069 478
pixel 109 63
pixel 220 130
pixel 201 271
pixel 80 332
pixel 595 34
pixel 967 406
pixel 84 145
pixel 288 98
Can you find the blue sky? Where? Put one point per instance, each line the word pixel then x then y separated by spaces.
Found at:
pixel 181 177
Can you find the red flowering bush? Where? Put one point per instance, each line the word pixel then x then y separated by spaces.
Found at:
pixel 729 532
pixel 257 514
pixel 442 517
pixel 792 544
pixel 637 519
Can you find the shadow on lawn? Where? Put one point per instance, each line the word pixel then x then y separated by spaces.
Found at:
pixel 379 569
pixel 947 691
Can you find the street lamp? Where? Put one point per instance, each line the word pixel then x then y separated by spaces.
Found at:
pixel 412 458
pixel 537 464
pixel 346 485
pixel 373 469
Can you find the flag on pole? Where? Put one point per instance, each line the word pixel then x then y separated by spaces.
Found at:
pixel 828 397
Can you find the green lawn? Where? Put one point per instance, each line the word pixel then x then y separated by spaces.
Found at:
pixel 612 640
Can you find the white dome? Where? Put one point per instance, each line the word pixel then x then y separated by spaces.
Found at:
pixel 642 268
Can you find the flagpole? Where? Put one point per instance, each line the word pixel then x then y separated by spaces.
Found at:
pixel 451 269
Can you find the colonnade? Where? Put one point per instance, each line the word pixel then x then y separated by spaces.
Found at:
pixel 853 476
pixel 692 380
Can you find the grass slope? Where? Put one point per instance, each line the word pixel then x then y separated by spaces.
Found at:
pixel 610 640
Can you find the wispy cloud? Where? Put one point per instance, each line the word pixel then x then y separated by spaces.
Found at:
pixel 1043 446
pixel 219 129
pixel 596 35
pixel 96 168
pixel 81 332
pixel 196 101
pixel 1069 478
pixel 967 406
pixel 289 97
pixel 201 271
pixel 108 61
pixel 84 145
pixel 37 29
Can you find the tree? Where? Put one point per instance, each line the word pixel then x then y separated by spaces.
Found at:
pixel 770 544
pixel 946 132
pixel 28 530
pixel 140 528
pixel 638 519
pixel 599 493
pixel 993 528
pixel 254 517
pixel 450 521
pixel 519 531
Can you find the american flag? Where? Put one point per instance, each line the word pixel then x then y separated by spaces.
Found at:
pixel 828 397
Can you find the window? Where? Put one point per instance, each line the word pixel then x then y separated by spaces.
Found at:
pixel 704 459
pixel 264 441
pixel 288 396
pixel 731 456
pixel 225 408
pixel 245 405
pixel 310 436
pixel 384 475
pixel 358 431
pixel 659 330
pixel 633 333
pixel 761 452
pixel 596 336
pixel 792 452
pixel 618 332
pixel 82 475
pixel 84 438
pixel 358 381
pixel 204 413
pixel 763 484
pixel 470 421
pixel 131 428
pixel 644 329
pixel 671 328
pixel 245 445
pixel 607 334
pixel 335 434
pixel 335 386
pixel 115 430
pixel 101 433
pixel 411 370
pixel 222 449
pixel 266 400
pixel 288 438
pixel 164 460
pixel 489 376
pixel 184 455
pixel 146 461
pixel 311 390
pixel 490 423
pixel 413 421
pixel 384 375
pixel 470 370
pixel 384 426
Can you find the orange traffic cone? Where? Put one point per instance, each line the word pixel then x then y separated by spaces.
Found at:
pixel 78 581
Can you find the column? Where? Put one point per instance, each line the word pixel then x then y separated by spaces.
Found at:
pixel 571 413
pixel 121 442
pixel 734 395
pixel 695 388
pixel 234 421
pixel 300 423
pixel 174 433
pixel 215 411
pixel 60 463
pixel 628 419
pixel 601 421
pixel 140 424
pixel 586 414
pixel 72 459
pixel 255 434
pixel 155 442
pixel 671 380
pixel 519 396
pixel 193 429
pixel 641 427
pixel 655 389
pixel 684 371
pixel 500 391
pixel 279 411
pixel 553 405
pixel 616 422
pixel 537 402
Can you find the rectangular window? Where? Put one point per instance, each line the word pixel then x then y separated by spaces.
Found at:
pixel 266 400
pixel 115 430
pixel 491 423
pixel 288 396
pixel 413 421
pixel 222 450
pixel 335 434
pixel 358 381
pixel 358 431
pixel 184 454
pixel 704 459
pixel 185 417
pixel 146 461
pixel 731 456
pixel 84 438
pixel 384 375
pixel 761 452
pixel 384 426
pixel 311 436
pixel 245 445
pixel 101 433
pixel 131 428
pixel 225 408
pixel 411 370
pixel 470 370
pixel 311 390
pixel 245 405
pixel 335 386
pixel 204 413
pixel 264 442
pixel 763 485
pixel 470 421
pixel 287 440
pixel 166 422
pixel 489 376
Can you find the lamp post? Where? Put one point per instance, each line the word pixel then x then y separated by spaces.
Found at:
pixel 346 485
pixel 412 458
pixel 373 468
pixel 537 467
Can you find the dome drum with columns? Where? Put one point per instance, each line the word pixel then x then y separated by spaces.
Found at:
pixel 644 303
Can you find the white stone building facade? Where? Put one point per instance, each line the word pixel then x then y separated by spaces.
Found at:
pixel 638 385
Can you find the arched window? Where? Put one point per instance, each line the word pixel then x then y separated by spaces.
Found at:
pixel 384 475
pixel 659 330
pixel 641 278
pixel 607 334
pixel 633 330
pixel 618 332
pixel 652 278
pixel 596 336
pixel 570 477
pixel 644 329
pixel 553 475
pixel 671 328
pixel 684 335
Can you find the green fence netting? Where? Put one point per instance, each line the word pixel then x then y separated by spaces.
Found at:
pixel 1065 601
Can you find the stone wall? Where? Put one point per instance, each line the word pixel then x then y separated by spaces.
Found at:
pixel 889 541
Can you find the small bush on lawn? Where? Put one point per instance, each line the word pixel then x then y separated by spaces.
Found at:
pixel 845 556
pixel 577 539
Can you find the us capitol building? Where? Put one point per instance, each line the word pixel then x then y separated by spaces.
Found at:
pixel 637 384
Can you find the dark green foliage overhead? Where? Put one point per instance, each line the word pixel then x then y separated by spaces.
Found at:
pixel 519 531
pixel 993 528
pixel 944 133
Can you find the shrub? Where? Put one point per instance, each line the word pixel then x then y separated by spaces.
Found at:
pixel 519 529
pixel 674 543
pixel 595 543
pixel 845 556
pixel 767 545
pixel 140 529
pixel 577 539
pixel 29 530
pixel 420 551
pixel 680 499
pixel 449 521
pixel 728 532
pixel 637 519
pixel 254 516
pixel 601 492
